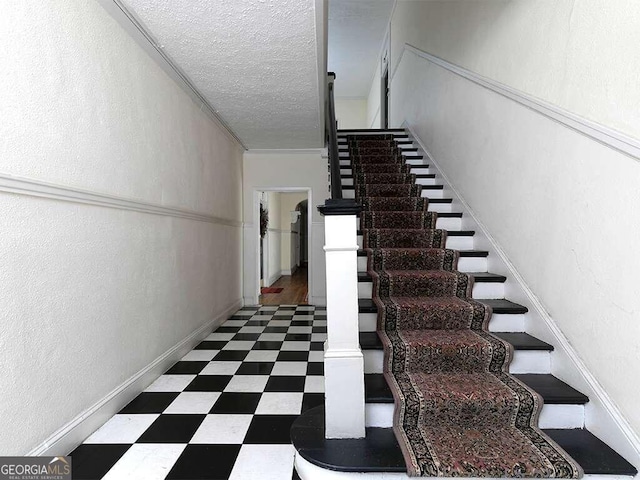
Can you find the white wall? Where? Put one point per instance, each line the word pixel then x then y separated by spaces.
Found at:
pixel 282 171
pixel 351 113
pixel 373 100
pixel 288 202
pixel 564 208
pixel 92 295
pixel 273 240
pixel 581 56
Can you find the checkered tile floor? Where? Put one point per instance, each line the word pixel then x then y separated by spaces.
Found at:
pixel 224 411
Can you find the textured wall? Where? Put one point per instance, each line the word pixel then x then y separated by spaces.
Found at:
pixel 579 55
pixel 565 210
pixel 91 295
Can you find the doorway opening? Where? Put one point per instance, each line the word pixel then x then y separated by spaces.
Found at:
pixel 284 248
pixel 384 100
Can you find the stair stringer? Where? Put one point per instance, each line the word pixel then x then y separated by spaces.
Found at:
pixel 602 417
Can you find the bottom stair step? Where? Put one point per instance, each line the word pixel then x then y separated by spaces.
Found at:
pixel 379 451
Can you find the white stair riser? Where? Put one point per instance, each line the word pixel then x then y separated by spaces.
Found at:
pixel 551 416
pixel 524 361
pixel 500 322
pixel 465 264
pixel 480 290
pixel 454 243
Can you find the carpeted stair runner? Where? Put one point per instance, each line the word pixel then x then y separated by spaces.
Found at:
pixel 457 410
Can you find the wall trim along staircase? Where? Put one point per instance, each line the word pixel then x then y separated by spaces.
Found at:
pixel 602 416
pixel 618 141
pixel 52 191
pixel 70 435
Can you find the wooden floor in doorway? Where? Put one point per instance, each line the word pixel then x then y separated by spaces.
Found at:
pixel 294 293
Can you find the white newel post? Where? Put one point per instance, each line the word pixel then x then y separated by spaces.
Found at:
pixel 343 360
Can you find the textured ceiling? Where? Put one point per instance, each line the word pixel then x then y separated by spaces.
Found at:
pixel 255 61
pixel 356 33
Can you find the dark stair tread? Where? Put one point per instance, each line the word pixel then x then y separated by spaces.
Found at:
pixel 348 167
pixel 407 157
pixel 441 200
pixel 376 389
pixel 370 341
pixel 406 149
pixel 472 253
pixel 523 341
pixel 502 306
pixel 520 341
pixel 449 214
pixel 366 130
pixel 379 450
pixel 479 277
pixel 460 233
pixel 593 455
pixel 424 187
pixel 553 390
pixel 418 175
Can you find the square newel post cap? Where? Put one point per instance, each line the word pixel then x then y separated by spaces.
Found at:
pixel 341 206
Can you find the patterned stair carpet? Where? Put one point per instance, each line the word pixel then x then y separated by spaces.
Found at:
pixel 457 410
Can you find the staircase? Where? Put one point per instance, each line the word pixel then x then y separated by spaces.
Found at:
pixel 563 415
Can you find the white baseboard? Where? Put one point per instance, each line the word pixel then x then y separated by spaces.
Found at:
pixel 72 434
pixel 286 272
pixel 273 279
pixel 603 418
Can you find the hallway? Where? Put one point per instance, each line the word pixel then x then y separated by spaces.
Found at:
pixel 224 411
pixel 295 289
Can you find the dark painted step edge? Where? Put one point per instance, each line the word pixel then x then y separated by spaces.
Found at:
pixel 479 277
pixel 500 306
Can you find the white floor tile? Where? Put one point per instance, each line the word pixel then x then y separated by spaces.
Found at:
pixel 199 355
pixel 320 323
pixel 302 317
pixel 239 345
pixel 306 308
pixel 193 402
pixel 262 356
pixel 221 368
pixel 295 346
pixel 221 429
pixel 251 330
pixel 263 462
pixel 279 323
pixel 271 308
pixel 148 461
pixel 170 383
pixel 318 337
pixel 272 337
pixel 316 356
pixel 280 403
pixel 262 317
pixel 220 336
pixel 290 368
pixel 234 323
pixel 300 329
pixel 244 313
pixel 314 384
pixel 122 428
pixel 247 383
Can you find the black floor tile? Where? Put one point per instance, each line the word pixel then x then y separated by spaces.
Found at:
pixel 246 336
pixel 172 429
pixel 255 368
pixel 210 345
pixel 276 330
pixel 231 355
pixel 186 368
pixel 317 346
pixel 302 323
pixel 257 323
pixel 315 368
pixel 227 329
pixel 285 384
pixel 93 461
pixel 200 462
pixel 230 402
pixel 310 400
pixel 150 402
pixel 282 316
pixel 267 345
pixel 280 309
pixel 293 356
pixel 270 429
pixel 319 330
pixel 208 383
pixel 298 337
